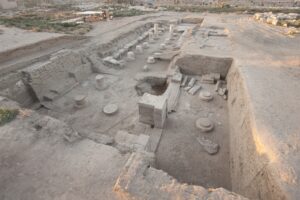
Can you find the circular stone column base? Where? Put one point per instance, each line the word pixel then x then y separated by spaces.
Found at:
pixel 204 124
pixel 205 96
pixel 80 101
pixel 110 109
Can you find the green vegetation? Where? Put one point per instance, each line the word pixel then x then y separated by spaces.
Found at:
pixel 120 10
pixel 128 12
pixel 229 9
pixel 7 115
pixel 38 24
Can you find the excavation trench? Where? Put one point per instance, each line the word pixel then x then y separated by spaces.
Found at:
pixel 180 152
pixel 238 163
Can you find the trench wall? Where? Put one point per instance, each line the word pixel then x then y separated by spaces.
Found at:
pixel 251 173
pixel 201 64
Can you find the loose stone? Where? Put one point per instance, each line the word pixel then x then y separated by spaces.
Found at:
pixel 139 49
pixel 130 55
pixel 209 146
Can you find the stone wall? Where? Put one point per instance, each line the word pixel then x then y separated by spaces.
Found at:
pixel 53 78
pixel 139 180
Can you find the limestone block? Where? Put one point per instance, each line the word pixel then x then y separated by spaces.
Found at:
pixel 110 61
pixel 171 28
pixel 194 89
pixel 145 45
pixel 162 46
pixel 222 91
pixel 130 56
pixel 155 29
pixel 80 101
pixel 192 82
pixel 99 81
pixel 184 81
pixel 139 49
pixel 177 77
pixel 153 110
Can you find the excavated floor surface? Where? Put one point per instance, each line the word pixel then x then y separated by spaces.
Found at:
pixel 179 152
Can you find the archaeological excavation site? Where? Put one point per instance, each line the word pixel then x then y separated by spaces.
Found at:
pixel 149 102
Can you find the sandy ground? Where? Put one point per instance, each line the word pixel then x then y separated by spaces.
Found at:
pixel 38 165
pixel 12 38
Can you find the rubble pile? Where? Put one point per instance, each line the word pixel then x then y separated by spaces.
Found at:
pixel 279 19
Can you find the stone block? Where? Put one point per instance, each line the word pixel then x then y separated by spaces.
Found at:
pixel 153 110
pixel 194 89
pixel 177 77
pixel 208 78
pixel 192 82
pixel 184 82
